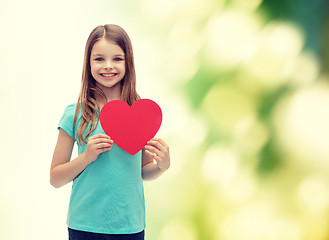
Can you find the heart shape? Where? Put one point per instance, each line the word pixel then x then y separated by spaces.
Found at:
pixel 131 127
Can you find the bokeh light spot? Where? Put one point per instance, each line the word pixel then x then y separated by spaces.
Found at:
pixel 302 124
pixel 184 42
pixel 273 60
pixel 250 135
pixel 306 68
pixel 313 195
pixel 226 105
pixel 220 165
pixel 230 34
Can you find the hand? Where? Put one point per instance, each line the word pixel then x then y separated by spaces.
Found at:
pixel 159 151
pixel 96 145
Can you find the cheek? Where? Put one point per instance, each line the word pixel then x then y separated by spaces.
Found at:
pixel 123 69
pixel 93 70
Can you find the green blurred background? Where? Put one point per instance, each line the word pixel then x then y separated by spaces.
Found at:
pixel 244 88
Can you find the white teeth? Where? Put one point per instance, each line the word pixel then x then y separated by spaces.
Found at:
pixel 108 75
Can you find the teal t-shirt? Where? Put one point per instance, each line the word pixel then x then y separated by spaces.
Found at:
pixel 108 196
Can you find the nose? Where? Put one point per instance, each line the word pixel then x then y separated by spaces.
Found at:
pixel 108 65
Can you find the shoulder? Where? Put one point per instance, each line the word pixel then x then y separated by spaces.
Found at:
pixel 71 107
pixel 66 122
pixel 70 110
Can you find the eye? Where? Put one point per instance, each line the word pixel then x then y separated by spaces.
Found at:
pixel 117 59
pixel 99 59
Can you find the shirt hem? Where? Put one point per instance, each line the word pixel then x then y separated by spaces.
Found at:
pixel 106 231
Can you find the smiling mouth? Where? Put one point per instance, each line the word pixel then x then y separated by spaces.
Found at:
pixel 108 74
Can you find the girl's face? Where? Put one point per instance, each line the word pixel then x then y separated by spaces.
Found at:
pixel 107 64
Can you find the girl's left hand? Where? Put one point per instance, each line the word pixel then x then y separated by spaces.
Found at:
pixel 159 151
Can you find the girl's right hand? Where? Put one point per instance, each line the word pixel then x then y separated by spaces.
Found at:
pixel 96 145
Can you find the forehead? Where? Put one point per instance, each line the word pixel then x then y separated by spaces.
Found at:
pixel 106 47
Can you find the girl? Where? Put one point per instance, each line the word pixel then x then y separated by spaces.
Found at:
pixel 107 199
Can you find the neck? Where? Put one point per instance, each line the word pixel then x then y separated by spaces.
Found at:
pixel 113 93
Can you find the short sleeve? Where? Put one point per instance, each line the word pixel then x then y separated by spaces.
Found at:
pixel 66 122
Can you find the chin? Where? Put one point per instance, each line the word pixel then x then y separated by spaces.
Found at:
pixel 108 85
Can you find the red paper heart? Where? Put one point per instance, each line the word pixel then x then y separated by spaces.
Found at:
pixel 131 127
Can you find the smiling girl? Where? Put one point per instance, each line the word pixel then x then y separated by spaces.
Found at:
pixel 107 198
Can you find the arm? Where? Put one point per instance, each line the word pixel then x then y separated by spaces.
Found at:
pixel 155 159
pixel 62 170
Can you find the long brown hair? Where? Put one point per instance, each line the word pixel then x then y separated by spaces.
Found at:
pixel 90 92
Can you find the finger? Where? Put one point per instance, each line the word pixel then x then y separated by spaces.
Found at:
pixel 100 135
pixel 104 149
pixel 98 142
pixel 103 145
pixel 163 143
pixel 152 155
pixel 149 153
pixel 101 140
pixel 155 151
pixel 155 143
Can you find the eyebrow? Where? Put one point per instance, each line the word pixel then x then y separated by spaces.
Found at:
pixel 116 55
